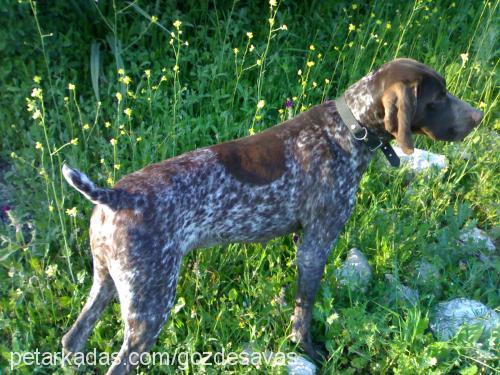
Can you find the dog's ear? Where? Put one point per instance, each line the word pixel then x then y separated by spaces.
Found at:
pixel 400 103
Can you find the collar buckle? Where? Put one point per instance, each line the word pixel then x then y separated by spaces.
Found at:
pixel 376 147
pixel 361 133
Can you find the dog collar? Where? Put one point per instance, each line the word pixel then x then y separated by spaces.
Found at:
pixel 361 133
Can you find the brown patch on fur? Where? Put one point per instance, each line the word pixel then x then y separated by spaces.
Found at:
pixel 258 159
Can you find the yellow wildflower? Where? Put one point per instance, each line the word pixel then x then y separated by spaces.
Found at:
pixel 464 57
pixel 250 35
pixel 36 93
pixel 71 211
pixel 113 141
pixel 128 112
pixel 51 270
pixel 261 104
pixel 154 19
pixel 177 24
pixel 71 86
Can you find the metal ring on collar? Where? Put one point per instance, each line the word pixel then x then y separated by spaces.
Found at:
pixel 363 137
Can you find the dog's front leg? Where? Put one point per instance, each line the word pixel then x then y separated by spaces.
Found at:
pixel 311 259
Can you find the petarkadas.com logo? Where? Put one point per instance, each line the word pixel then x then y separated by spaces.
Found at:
pixel 179 359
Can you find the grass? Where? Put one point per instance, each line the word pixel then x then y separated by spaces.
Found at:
pixel 110 87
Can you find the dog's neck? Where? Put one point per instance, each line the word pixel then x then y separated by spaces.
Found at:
pixel 338 133
pixel 362 100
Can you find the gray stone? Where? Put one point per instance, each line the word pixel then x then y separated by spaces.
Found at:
pixel 401 292
pixel 477 236
pixel 355 272
pixel 451 315
pixel 421 160
pixel 426 273
pixel 300 366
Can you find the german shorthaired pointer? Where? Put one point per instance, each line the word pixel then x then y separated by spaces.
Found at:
pixel 302 174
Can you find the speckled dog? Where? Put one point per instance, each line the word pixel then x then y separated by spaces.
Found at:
pixel 302 174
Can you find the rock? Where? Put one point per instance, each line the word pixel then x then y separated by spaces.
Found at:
pixel 421 160
pixel 478 237
pixel 300 366
pixel 355 272
pixel 426 273
pixel 295 363
pixel 401 292
pixel 451 315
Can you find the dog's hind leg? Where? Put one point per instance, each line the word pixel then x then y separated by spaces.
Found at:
pixel 101 294
pixel 145 304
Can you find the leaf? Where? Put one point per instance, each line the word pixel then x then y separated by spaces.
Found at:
pixel 233 294
pixel 471 370
pixel 95 59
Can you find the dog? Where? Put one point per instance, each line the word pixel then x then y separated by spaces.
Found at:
pixel 300 175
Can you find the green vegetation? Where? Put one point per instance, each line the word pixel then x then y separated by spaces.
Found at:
pixel 112 86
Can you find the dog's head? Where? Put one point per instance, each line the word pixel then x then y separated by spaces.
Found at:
pixel 415 100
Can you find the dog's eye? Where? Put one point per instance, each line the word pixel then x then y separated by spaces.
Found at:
pixel 431 106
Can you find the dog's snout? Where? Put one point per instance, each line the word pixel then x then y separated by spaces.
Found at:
pixel 476 116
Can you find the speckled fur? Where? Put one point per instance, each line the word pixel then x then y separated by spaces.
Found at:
pixel 302 174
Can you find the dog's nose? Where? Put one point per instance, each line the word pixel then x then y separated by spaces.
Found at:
pixel 476 116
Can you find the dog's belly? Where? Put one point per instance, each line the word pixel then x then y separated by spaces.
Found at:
pixel 252 227
pixel 242 213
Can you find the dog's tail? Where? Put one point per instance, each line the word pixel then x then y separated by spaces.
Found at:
pixel 97 195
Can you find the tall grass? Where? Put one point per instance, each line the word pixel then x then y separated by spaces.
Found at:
pixel 110 87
